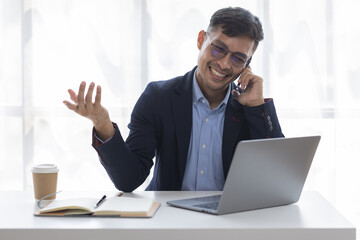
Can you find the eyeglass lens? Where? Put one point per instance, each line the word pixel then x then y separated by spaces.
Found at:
pixel 236 59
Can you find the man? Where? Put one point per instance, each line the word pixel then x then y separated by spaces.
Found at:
pixel 191 123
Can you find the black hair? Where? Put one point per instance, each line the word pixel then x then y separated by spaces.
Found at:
pixel 236 21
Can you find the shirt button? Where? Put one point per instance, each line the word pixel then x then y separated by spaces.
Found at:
pixel 203 100
pixel 206 120
pixel 203 146
pixel 201 172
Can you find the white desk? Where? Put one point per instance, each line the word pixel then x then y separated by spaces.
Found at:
pixel 311 218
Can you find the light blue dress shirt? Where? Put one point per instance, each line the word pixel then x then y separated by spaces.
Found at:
pixel 204 169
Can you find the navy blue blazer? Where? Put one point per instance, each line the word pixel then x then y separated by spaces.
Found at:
pixel 160 126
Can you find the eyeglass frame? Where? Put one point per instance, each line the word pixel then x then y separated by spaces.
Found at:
pixel 225 52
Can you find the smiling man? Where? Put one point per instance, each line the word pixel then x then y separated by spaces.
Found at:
pixel 190 123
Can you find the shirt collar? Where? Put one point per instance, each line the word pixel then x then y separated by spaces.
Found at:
pixel 198 95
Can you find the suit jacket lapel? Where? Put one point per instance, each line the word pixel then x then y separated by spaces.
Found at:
pixel 182 112
pixel 231 132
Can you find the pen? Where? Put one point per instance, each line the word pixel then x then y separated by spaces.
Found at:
pixel 100 202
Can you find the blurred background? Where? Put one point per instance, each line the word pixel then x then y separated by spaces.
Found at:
pixel 309 61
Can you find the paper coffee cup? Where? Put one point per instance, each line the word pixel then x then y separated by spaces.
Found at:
pixel 45 180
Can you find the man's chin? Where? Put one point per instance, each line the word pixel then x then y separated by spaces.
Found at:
pixel 221 83
pixel 219 86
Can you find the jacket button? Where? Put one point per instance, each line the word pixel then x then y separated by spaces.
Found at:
pixel 270 123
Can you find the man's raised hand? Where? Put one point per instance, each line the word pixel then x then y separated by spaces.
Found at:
pixel 94 111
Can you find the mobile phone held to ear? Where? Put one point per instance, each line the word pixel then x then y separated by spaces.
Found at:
pixel 237 88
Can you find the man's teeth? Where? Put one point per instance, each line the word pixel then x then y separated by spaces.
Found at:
pixel 217 73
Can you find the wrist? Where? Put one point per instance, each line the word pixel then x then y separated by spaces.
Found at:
pixel 104 129
pixel 251 103
pixel 255 103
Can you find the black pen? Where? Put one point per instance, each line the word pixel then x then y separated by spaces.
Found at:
pixel 100 202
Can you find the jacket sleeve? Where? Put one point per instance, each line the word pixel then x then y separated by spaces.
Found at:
pixel 263 121
pixel 128 163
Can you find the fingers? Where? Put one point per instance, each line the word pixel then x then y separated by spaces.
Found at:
pixel 245 79
pixel 252 89
pixel 70 106
pixel 235 94
pixel 83 105
pixel 88 97
pixel 80 96
pixel 98 97
pixel 73 95
pixel 248 78
pixel 242 74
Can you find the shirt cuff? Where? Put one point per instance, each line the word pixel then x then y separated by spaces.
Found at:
pixel 101 141
pixel 98 141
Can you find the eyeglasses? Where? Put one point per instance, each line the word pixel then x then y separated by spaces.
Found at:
pixel 238 59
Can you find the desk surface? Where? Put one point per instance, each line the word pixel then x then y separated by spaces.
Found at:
pixel 311 218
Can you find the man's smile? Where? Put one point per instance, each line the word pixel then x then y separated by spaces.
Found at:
pixel 217 74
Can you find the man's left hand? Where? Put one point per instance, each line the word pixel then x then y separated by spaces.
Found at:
pixel 252 89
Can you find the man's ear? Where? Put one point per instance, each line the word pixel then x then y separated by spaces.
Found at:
pixel 201 39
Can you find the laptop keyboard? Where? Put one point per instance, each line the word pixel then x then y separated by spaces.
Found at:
pixel 213 198
pixel 210 202
pixel 210 205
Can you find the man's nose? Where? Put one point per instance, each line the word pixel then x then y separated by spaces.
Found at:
pixel 225 62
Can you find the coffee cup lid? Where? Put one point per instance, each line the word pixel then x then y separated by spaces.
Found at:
pixel 45 168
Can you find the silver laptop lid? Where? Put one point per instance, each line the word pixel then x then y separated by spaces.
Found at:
pixel 267 173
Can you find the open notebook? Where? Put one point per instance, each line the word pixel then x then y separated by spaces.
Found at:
pixel 113 206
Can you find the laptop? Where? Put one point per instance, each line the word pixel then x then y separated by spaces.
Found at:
pixel 263 173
